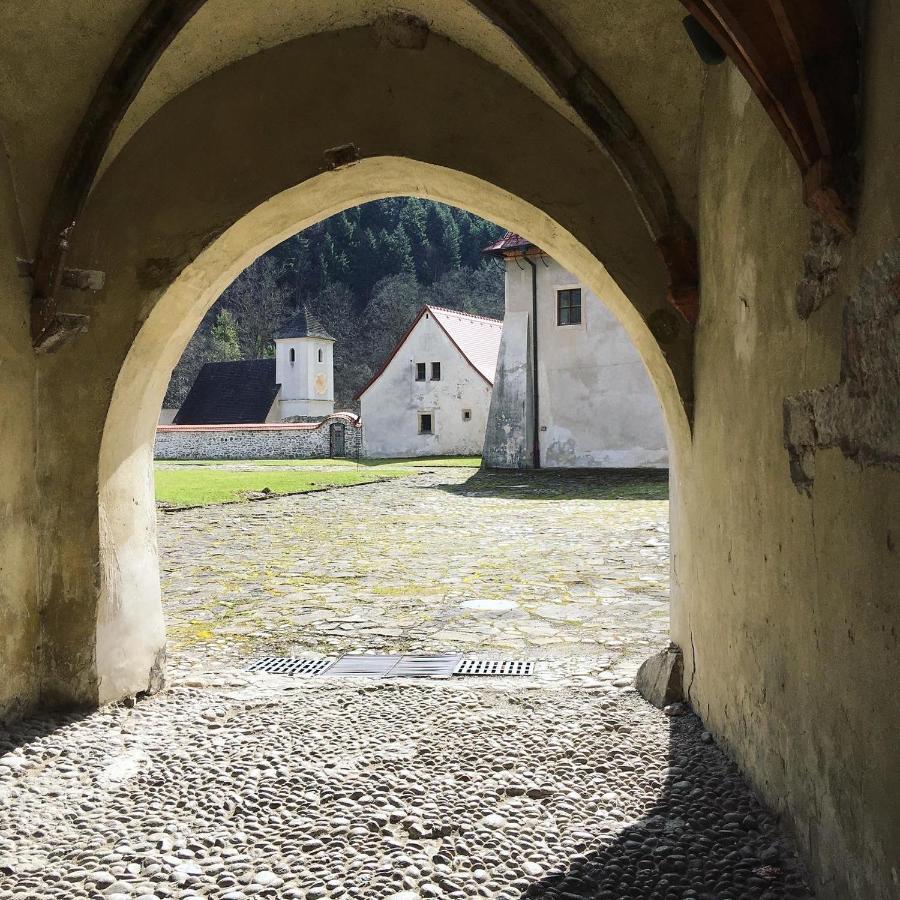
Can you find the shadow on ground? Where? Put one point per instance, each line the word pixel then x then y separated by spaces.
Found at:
pixel 569 484
pixel 22 732
pixel 705 837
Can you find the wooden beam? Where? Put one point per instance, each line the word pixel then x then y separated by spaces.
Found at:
pixel 154 30
pixel 801 57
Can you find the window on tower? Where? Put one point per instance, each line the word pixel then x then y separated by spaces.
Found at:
pixel 293 355
pixel 568 306
pixel 320 354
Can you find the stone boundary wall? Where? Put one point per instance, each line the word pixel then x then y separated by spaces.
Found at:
pixel 303 440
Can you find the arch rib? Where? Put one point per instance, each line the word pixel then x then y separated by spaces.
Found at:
pixel 801 57
pixel 154 30
pixel 600 110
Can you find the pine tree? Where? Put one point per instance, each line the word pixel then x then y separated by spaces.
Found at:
pixel 225 342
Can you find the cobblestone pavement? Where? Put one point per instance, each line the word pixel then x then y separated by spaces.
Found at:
pixel 533 566
pixel 232 785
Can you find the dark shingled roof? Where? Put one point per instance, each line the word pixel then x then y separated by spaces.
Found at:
pixel 230 393
pixel 304 324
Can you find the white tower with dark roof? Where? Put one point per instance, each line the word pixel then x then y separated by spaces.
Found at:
pixel 304 367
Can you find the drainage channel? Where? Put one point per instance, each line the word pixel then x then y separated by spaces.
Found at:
pixel 405 665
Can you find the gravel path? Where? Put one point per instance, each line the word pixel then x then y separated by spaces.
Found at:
pixel 231 785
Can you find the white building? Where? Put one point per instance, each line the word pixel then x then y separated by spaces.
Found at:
pixel 304 367
pixel 595 405
pixel 431 396
pixel 297 384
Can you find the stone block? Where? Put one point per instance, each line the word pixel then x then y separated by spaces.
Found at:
pixel 659 679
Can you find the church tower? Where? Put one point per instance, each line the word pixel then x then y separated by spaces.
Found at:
pixel 304 367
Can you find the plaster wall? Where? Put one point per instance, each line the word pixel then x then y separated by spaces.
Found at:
pixel 390 407
pixel 19 615
pixel 509 435
pixel 597 405
pixel 791 623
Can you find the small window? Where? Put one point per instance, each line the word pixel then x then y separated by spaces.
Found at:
pixel 467 415
pixel 420 371
pixel 426 423
pixel 435 371
pixel 568 307
pixel 320 354
pixel 293 355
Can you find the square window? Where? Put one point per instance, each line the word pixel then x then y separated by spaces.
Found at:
pixel 568 307
pixel 435 371
pixel 467 415
pixel 420 371
pixel 426 423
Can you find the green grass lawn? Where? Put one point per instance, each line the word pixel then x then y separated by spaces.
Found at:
pixel 201 482
pixel 201 486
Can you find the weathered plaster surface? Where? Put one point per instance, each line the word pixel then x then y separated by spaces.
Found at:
pixel 792 620
pixel 861 414
pixel 19 619
pixel 597 406
pixel 510 427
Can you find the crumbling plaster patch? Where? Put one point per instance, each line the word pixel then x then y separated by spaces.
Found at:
pixel 861 413
pixel 820 267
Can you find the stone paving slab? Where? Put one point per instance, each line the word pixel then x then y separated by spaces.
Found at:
pixel 417 565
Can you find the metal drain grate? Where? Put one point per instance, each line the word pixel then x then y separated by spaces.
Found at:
pixel 409 665
pixel 290 665
pixel 364 664
pixel 495 667
pixel 425 665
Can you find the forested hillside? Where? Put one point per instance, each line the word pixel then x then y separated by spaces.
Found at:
pixel 364 274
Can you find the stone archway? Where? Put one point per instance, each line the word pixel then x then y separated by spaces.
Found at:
pixel 130 636
pixel 219 175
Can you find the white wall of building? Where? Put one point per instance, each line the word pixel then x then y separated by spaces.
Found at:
pixel 391 405
pixel 597 403
pixel 307 381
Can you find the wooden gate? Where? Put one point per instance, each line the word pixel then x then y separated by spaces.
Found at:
pixel 337 443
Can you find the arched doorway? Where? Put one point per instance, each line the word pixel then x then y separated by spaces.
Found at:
pixel 127 509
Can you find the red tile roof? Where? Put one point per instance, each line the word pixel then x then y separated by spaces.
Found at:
pixel 509 243
pixel 476 337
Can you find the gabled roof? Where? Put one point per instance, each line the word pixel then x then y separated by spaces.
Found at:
pixel 302 325
pixel 509 243
pixel 230 393
pixel 477 338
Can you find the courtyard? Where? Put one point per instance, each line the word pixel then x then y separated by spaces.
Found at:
pixel 232 784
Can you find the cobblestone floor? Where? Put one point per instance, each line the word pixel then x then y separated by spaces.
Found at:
pixel 232 785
